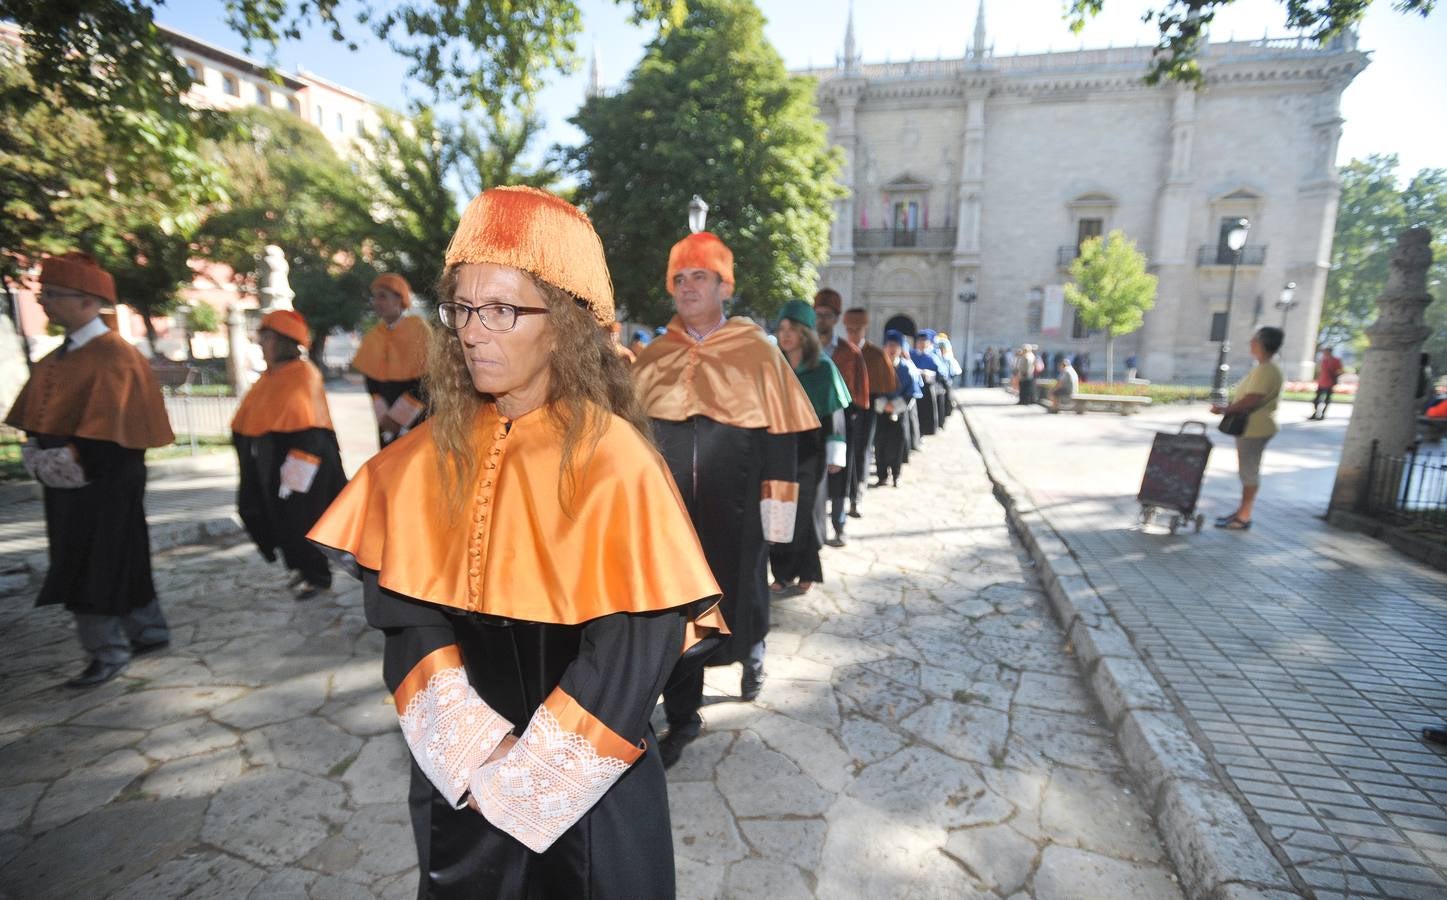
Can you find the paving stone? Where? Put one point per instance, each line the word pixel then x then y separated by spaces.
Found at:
pixel 1001 857
pixel 288 700
pixel 273 817
pixel 880 698
pixel 87 788
pixel 703 829
pixel 1077 801
pixel 798 841
pixel 812 702
pixel 381 771
pixel 766 878
pixel 48 754
pixel 701 758
pixel 187 737
pixel 966 731
pixel 16 803
pixel 203 874
pixel 122 842
pixel 922 782
pixel 195 776
pixel 1066 873
pixel 868 853
pixel 697 879
pixel 868 741
pixel 1060 693
pixel 815 751
pixel 760 782
pixel 309 745
pixel 1216 841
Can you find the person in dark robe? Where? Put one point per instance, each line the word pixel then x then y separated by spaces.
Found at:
pixel 533 568
pixel 726 412
pixel 290 463
pixel 822 452
pixel 890 439
pixel 90 410
pixel 392 358
pixel 883 383
pixel 849 360
pixel 913 435
pixel 928 364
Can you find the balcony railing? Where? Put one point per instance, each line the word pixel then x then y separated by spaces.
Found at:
pixel 903 238
pixel 1066 255
pixel 1217 255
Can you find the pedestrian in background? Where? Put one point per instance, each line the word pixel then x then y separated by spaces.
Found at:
pixel 1025 363
pixel 1067 383
pixel 1131 368
pixel 533 569
pixel 1256 398
pixel 1328 372
pixel 392 358
pixel 89 412
pixel 290 462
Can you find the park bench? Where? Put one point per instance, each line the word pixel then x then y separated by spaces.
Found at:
pixel 1082 403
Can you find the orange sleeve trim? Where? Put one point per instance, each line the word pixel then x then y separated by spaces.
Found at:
pixel 573 717
pixel 787 491
pixel 703 626
pixel 304 456
pixel 449 657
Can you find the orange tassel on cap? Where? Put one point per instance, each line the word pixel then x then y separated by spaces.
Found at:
pixel 703 250
pixel 288 323
pixel 532 230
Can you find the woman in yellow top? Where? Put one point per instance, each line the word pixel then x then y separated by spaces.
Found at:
pixel 392 357
pixel 1256 395
pixel 534 569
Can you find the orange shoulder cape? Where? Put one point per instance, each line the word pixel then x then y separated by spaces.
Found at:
pixel 104 391
pixel 625 545
pixel 290 397
pixel 398 353
pixel 733 376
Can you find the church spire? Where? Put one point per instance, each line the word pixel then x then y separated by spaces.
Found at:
pixel 851 56
pixel 595 75
pixel 977 50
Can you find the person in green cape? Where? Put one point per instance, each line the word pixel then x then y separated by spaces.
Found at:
pixel 822 451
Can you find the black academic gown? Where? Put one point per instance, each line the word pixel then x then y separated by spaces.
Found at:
pixel 614 667
pixel 281 524
pixel 100 548
pixel 720 470
pixel 389 391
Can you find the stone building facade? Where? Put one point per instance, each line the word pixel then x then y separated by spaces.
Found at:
pixel 981 176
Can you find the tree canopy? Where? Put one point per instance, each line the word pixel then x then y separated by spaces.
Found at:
pixel 1183 25
pixel 710 110
pixel 1110 289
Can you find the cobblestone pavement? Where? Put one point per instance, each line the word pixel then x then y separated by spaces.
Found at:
pixel 923 733
pixel 1307 657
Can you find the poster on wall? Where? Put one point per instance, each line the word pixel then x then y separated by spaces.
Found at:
pixel 1052 311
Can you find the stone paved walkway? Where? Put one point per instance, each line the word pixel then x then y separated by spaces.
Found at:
pixel 923 733
pixel 1308 657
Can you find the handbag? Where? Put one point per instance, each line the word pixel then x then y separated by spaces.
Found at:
pixel 1234 424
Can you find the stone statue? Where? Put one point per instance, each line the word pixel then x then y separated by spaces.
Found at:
pixel 275 292
pixel 1385 406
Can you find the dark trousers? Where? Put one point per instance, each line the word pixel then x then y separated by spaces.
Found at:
pixel 1027 391
pixel 1321 401
pixel 683 698
pixel 861 445
pixel 889 444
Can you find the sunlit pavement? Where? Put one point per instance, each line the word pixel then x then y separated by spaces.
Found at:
pixel 923 732
pixel 1307 657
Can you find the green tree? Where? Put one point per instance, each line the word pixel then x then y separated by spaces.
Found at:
pixel 1183 26
pixel 289 188
pixel 1374 209
pixel 1111 289
pixel 710 110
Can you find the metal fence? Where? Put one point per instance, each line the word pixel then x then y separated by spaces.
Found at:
pixel 196 417
pixel 1408 491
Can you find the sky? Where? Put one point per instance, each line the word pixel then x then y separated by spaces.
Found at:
pixel 1395 106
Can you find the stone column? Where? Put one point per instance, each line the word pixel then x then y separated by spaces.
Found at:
pixel 1384 409
pixel 1171 258
pixel 840 272
pixel 967 256
pixel 239 350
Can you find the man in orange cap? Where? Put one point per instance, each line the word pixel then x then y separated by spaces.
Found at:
pixel 726 409
pixel 849 360
pixel 90 409
pixel 392 357
pixel 290 463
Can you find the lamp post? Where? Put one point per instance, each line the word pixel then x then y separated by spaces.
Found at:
pixel 968 297
pixel 1286 301
pixel 697 214
pixel 1235 240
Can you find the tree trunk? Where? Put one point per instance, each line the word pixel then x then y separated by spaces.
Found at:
pixel 318 348
pixel 1109 357
pixel 151 335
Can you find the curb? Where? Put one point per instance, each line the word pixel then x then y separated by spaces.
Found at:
pixel 1214 845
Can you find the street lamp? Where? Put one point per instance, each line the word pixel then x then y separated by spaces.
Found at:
pixel 968 297
pixel 1286 301
pixel 1235 240
pixel 697 214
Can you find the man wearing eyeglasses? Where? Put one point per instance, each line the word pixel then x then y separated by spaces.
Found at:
pixel 726 409
pixel 90 410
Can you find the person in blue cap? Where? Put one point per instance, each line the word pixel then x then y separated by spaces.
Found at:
pixel 892 413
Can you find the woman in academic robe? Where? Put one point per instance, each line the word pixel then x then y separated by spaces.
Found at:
pixel 821 451
pixel 291 466
pixel 892 411
pixel 392 358
pixel 533 568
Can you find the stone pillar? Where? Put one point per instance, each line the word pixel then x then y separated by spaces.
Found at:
pixel 239 350
pixel 840 272
pixel 1171 257
pixel 966 261
pixel 1385 406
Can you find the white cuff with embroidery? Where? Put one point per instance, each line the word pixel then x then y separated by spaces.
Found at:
pixel 405 410
pixel 298 471
pixel 836 452
pixel 451 731
pixel 778 507
pixel 546 782
pixel 58 467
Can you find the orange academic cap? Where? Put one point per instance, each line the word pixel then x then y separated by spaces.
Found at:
pixel 288 323
pixel 79 272
pixel 703 250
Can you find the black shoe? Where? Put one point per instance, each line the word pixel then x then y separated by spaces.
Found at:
pixel 880 483
pixel 751 684
pixel 140 649
pixel 679 736
pixel 295 580
pixel 855 514
pixel 307 592
pixel 97 673
pixel 836 541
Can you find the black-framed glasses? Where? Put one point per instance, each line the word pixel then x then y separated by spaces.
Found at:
pixel 496 317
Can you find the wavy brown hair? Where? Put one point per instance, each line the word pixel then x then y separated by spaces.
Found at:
pixel 587 381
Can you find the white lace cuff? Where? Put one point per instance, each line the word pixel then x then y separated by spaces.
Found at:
pixel 448 728
pixel 778 505
pixel 564 763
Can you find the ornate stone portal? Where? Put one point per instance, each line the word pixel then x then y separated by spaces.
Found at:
pixel 1384 407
